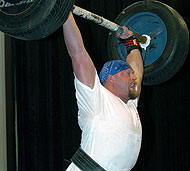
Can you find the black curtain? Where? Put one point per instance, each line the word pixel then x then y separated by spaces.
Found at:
pixel 48 133
pixel 47 114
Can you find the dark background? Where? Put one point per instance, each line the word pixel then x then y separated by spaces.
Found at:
pixel 48 132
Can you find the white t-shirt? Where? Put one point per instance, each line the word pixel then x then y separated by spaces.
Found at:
pixel 111 129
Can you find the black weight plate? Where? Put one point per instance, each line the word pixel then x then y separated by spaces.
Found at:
pixel 169 44
pixel 33 19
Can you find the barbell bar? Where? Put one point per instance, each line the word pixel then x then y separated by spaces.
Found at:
pixel 143 39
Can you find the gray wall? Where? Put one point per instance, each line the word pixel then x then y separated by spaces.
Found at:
pixel 3 156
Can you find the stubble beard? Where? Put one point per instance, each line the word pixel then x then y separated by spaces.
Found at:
pixel 133 94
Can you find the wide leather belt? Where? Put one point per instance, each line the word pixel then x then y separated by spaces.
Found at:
pixel 84 162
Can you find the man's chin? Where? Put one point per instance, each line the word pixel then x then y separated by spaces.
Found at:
pixel 133 95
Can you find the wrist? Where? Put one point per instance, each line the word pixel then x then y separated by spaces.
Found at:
pixel 131 43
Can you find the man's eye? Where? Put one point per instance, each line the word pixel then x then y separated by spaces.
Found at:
pixel 127 73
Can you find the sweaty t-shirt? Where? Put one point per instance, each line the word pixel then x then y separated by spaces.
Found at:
pixel 111 129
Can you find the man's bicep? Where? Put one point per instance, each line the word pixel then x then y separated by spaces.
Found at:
pixel 84 69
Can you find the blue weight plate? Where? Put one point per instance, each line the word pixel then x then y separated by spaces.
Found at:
pixel 149 24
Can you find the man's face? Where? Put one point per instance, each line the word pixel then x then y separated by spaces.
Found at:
pixel 126 85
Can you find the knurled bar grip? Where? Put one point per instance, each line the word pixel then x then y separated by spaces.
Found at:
pixel 97 19
pixel 104 22
pixel 84 162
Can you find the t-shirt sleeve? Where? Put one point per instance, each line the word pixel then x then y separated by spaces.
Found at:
pixel 88 100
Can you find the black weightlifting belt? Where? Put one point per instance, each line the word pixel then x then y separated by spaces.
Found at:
pixel 84 162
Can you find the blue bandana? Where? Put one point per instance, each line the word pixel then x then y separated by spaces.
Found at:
pixel 112 68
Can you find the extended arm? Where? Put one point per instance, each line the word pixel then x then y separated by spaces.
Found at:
pixel 134 59
pixel 82 64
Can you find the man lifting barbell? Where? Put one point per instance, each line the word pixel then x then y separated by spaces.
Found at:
pixel 108 116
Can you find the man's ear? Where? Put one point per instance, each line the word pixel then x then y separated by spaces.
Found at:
pixel 111 78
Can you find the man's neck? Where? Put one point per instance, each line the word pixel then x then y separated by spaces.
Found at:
pixel 112 90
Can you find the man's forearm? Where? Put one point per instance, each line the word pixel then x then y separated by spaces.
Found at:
pixel 82 64
pixel 134 59
pixel 72 36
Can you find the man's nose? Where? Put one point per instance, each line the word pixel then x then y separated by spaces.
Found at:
pixel 133 77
